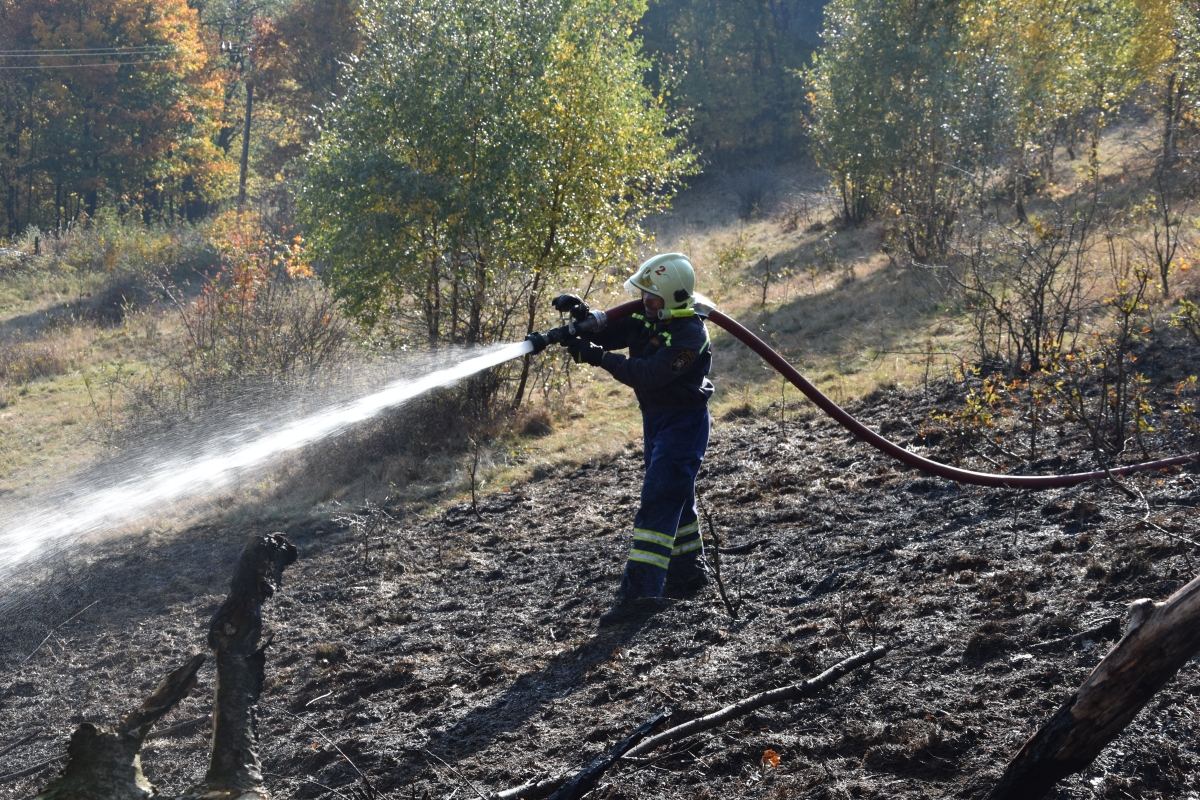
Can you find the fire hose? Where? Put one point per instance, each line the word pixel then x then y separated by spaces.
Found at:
pixel 595 320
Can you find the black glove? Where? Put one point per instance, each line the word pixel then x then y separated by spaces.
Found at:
pixel 582 350
pixel 571 304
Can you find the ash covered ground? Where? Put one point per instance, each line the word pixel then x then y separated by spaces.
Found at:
pixel 456 649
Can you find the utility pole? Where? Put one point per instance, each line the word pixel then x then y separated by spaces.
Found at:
pixel 245 160
pixel 245 142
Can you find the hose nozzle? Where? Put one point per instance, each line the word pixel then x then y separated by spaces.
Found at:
pixel 593 322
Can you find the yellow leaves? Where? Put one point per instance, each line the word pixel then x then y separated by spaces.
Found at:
pixel 770 759
pixel 1046 231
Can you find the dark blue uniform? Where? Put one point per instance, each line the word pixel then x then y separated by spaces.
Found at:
pixel 666 367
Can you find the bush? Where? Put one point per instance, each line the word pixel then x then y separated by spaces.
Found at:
pixel 24 362
pixel 261 320
pixel 109 244
pixel 106 267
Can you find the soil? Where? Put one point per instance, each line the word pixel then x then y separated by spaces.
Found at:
pixel 447 652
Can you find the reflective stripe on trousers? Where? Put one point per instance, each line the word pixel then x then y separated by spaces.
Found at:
pixel 666 524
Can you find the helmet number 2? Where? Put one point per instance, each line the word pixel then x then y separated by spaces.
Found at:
pixel 662 270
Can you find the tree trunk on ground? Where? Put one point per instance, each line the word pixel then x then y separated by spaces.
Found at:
pixel 1159 639
pixel 106 764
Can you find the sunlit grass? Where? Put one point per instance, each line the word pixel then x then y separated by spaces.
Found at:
pixel 844 313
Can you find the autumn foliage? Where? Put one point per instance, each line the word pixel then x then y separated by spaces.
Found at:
pixel 256 318
pixel 104 101
pixel 140 105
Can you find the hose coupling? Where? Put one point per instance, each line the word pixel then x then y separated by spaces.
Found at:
pixel 592 323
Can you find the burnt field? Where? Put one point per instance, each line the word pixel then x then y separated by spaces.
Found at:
pixel 447 652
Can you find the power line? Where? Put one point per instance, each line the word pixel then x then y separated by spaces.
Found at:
pixel 80 66
pixel 85 51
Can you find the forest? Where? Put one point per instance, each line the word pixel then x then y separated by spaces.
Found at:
pixel 171 111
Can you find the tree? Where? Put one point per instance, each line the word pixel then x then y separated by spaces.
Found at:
pixel 111 100
pixel 916 100
pixel 903 115
pixel 736 63
pixel 1179 70
pixel 484 153
pixel 299 69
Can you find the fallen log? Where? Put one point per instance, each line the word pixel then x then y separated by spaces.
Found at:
pixel 582 783
pixel 796 691
pixel 1159 639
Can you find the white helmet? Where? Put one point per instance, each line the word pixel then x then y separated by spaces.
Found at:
pixel 670 276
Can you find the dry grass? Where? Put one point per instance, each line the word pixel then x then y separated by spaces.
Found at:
pixel 849 317
pixel 25 362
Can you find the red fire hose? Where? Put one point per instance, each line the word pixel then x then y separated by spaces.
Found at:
pixel 894 450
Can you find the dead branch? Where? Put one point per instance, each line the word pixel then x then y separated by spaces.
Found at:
pixel 739 549
pixel 730 606
pixel 36 768
pixel 104 764
pixel 796 691
pixel 52 631
pixel 368 789
pixel 1109 629
pixel 24 740
pixel 1159 639
pixel 178 727
pixel 457 774
pixel 583 782
pixel 533 789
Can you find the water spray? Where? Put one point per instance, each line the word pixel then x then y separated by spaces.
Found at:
pixel 93 510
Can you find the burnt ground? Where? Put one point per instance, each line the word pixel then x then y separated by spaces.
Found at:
pixel 457 649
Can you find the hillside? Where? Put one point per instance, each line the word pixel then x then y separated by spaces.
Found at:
pixel 459 649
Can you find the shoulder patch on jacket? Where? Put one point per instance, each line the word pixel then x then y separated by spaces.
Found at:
pixel 683 361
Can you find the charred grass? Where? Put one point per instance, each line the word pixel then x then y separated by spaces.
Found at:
pixel 475 640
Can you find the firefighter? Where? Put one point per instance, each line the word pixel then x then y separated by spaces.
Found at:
pixel 669 357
